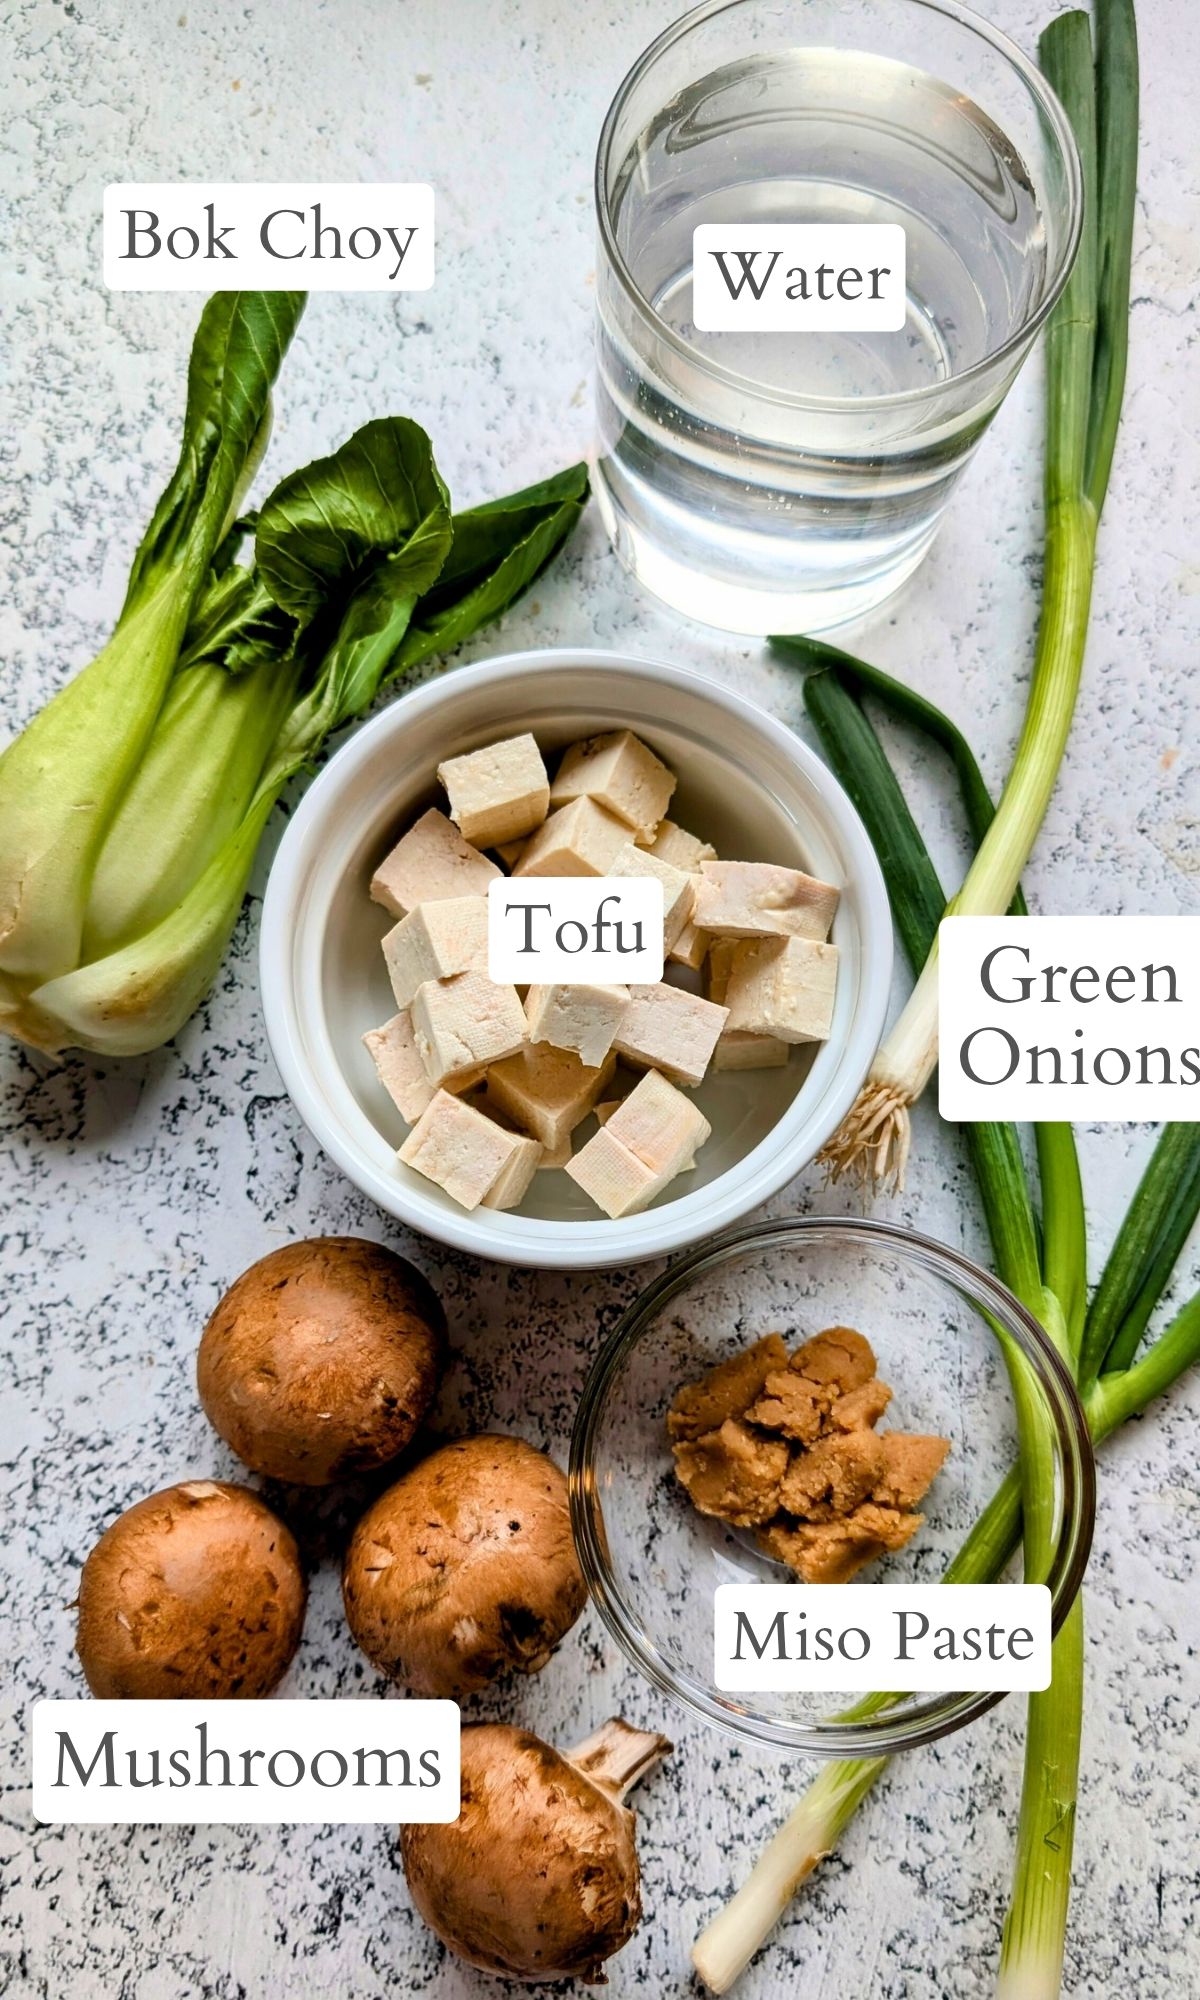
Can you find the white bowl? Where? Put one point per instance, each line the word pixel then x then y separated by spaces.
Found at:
pixel 745 782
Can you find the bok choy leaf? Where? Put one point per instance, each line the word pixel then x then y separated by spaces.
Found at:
pixel 498 551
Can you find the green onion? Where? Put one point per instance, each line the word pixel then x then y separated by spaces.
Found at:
pixel 1148 1245
pixel 1125 1393
pixel 1167 1201
pixel 1163 1212
pixel 1053 1285
pixel 813 1829
pixel 856 755
pixel 822 661
pixel 1086 345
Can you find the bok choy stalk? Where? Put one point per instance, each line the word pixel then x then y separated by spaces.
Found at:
pixel 360 572
pixel 61 781
pixel 1086 345
pixel 1050 1262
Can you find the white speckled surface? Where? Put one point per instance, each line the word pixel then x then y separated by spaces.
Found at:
pixel 134 1193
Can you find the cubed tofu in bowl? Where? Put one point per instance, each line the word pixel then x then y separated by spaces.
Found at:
pixel 738 784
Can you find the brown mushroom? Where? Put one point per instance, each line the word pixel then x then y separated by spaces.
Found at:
pixel 322 1359
pixel 465 1568
pixel 538 1877
pixel 196 1591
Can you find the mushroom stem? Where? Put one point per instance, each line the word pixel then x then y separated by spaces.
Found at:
pixel 616 1756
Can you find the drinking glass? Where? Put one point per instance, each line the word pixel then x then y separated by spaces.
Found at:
pixel 776 482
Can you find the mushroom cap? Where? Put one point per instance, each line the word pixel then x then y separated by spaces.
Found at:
pixel 538 1876
pixel 196 1591
pixel 322 1359
pixel 465 1568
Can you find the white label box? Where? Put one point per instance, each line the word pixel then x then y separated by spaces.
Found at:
pixel 575 930
pixel 1086 1017
pixel 276 1762
pixel 798 277
pixel 907 1637
pixel 294 236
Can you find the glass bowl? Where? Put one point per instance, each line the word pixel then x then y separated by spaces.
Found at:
pixel 940 1328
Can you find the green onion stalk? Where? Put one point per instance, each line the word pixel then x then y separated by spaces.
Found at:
pixel 1046 1269
pixel 815 1827
pixel 1045 1266
pixel 1100 1343
pixel 1100 90
pixel 1086 345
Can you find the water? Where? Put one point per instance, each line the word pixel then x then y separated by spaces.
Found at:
pixel 733 502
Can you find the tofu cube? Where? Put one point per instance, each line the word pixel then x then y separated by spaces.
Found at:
pixel 677 886
pixel 431 862
pixel 464 1023
pixel 738 1050
pixel 717 968
pixel 646 1139
pixel 617 1181
pixel 681 849
pixel 659 1126
pixel 620 773
pixel 547 1091
pixel 666 1029
pixel 394 1052
pixel 690 947
pixel 581 839
pixel 510 852
pixel 783 987
pixel 746 899
pixel 605 1111
pixel 499 793
pixel 465 1153
pixel 435 941
pixel 515 1178
pixel 555 1158
pixel 584 1019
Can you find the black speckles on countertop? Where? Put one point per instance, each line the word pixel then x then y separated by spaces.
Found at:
pixel 133 1193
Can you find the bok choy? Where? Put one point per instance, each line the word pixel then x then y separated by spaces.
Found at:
pixel 132 806
pixel 61 781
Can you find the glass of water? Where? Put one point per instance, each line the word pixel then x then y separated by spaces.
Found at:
pixel 789 482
